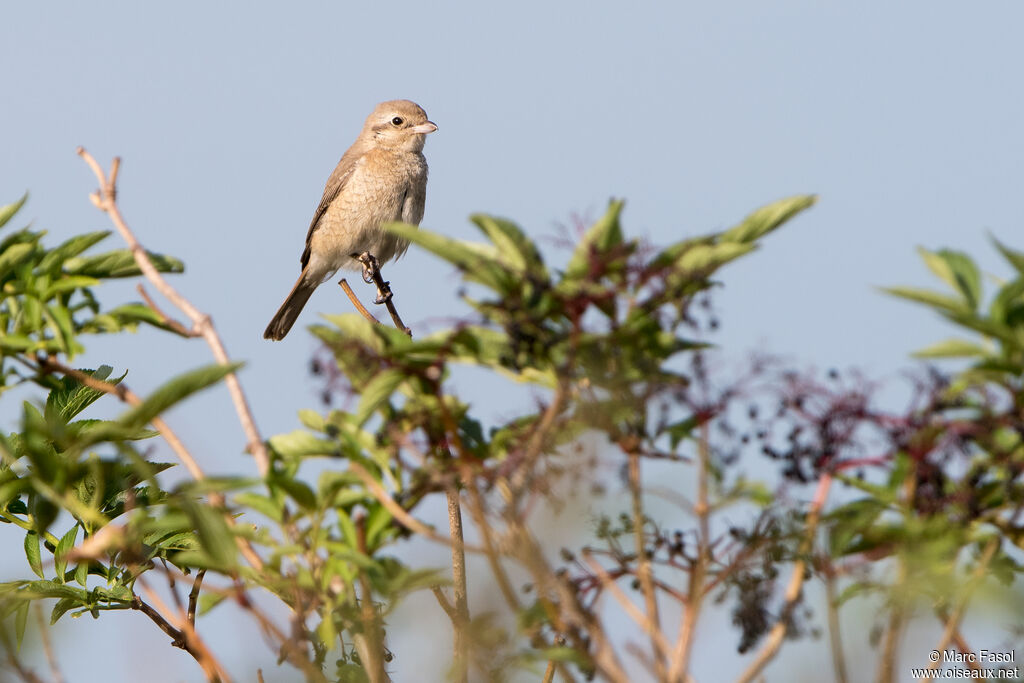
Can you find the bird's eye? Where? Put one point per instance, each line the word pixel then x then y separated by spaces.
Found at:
pixel 397 121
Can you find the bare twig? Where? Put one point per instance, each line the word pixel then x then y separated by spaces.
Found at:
pixel 50 364
pixel 954 619
pixel 356 302
pixel 187 636
pixel 371 273
pixel 445 603
pixel 164 318
pixel 680 660
pixel 644 566
pixel 399 513
pixel 661 646
pixel 106 200
pixel 44 635
pixel 461 621
pixel 193 596
pixel 796 581
pixel 370 640
pixel 838 659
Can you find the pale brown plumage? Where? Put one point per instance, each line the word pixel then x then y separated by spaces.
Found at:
pixel 381 178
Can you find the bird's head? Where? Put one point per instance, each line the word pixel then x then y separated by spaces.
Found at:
pixel 398 124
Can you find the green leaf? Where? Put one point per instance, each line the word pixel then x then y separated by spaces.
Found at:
pixel 926 296
pixel 958 271
pixel 301 444
pixel 14 255
pixel 514 248
pixel 1014 257
pixel 70 398
pixel 264 505
pixel 67 542
pixel 215 537
pixel 478 262
pixel 599 238
pixel 172 392
pixel 32 553
pixel 7 212
pixel 710 256
pixel 72 247
pixel 952 348
pixel 120 263
pixel 63 606
pixel 21 621
pixel 767 218
pixel 298 490
pixel 377 392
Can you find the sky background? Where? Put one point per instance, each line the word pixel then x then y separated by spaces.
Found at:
pixel 904 117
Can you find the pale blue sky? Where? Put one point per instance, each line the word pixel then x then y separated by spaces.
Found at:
pixel 904 117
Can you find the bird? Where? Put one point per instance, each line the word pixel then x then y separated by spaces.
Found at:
pixel 381 178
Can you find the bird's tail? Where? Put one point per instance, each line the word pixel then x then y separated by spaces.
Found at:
pixel 290 309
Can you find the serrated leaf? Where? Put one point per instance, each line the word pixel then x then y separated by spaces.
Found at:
pixel 7 212
pixel 70 398
pixel 33 554
pixel 952 348
pixel 377 392
pixel 172 392
pixel 767 218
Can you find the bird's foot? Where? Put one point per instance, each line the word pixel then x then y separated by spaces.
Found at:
pixel 370 266
pixel 384 293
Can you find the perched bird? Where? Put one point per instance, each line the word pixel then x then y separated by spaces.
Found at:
pixel 381 178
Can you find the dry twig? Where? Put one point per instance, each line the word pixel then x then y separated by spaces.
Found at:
pixel 105 200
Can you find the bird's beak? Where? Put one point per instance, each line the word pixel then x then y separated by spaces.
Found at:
pixel 424 128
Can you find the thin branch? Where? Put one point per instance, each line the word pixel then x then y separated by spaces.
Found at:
pixel 106 200
pixel 371 640
pixel 953 622
pixel 399 513
pixel 661 646
pixel 549 673
pixel 49 364
pixel 193 596
pixel 958 640
pixel 644 566
pixel 371 273
pixel 356 302
pixel 187 636
pixel 164 318
pixel 835 639
pixel 44 635
pixel 680 660
pixel 461 621
pixel 796 582
pixel 446 604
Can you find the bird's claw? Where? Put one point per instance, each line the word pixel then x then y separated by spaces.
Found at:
pixel 384 294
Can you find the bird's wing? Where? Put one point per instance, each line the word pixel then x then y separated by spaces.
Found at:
pixel 335 184
pixel 414 200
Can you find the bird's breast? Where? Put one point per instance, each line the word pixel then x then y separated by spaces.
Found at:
pixel 373 195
